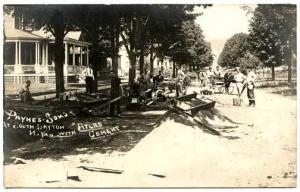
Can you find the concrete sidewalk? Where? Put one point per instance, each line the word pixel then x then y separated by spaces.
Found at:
pixel 70 88
pixel 43 96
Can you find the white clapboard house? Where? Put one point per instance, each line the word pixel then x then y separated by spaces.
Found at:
pixel 29 55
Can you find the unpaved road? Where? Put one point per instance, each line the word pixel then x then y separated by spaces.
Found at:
pixel 183 155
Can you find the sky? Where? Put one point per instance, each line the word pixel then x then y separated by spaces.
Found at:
pixel 221 21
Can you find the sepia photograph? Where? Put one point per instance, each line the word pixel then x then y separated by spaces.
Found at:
pixel 149 95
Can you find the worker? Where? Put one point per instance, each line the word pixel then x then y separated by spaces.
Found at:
pixel 25 93
pixel 210 76
pixel 88 73
pixel 250 87
pixel 159 78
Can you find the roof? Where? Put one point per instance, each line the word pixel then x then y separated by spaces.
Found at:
pixel 74 35
pixel 71 37
pixel 70 40
pixel 16 34
pixel 11 33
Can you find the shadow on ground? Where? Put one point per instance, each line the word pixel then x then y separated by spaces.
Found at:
pixel 133 127
pixel 210 121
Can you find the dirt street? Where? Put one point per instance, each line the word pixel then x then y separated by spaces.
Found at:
pixel 259 151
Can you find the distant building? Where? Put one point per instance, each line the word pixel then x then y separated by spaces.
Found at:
pixel 165 65
pixel 29 54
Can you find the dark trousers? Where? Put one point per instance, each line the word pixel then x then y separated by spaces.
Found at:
pixel 26 97
pixel 89 84
pixel 251 96
pixel 113 106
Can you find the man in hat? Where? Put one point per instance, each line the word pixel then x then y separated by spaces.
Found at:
pixel 210 76
pixel 159 78
pixel 250 86
pixel 25 93
pixel 88 73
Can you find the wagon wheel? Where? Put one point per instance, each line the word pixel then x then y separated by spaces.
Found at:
pixel 230 89
pixel 221 89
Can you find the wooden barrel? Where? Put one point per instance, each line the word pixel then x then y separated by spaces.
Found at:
pixel 237 101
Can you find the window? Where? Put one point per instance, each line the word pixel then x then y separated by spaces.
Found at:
pixel 77 55
pixel 41 53
pixel 84 56
pixel 70 54
pixel 18 20
pixel 50 53
pixel 9 53
pixel 27 53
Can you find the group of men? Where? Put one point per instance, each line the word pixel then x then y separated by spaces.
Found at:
pixel 88 74
pixel 243 80
pixel 147 81
pixel 210 77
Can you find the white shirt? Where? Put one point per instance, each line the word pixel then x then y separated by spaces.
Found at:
pixel 239 77
pixel 217 73
pixel 180 73
pixel 210 74
pixel 88 72
pixel 251 76
pixel 251 79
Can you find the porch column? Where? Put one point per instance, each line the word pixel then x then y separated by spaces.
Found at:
pixel 20 64
pixel 16 53
pixel 19 53
pixel 87 55
pixel 66 62
pixel 36 53
pixel 41 55
pixel 73 55
pixel 81 56
pixel 36 62
pixel 66 53
pixel 42 58
pixel 46 61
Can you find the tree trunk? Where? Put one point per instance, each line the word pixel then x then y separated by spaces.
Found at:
pixel 115 47
pixel 132 61
pixel 95 82
pixel 151 62
pixel 273 73
pixel 141 62
pixel 289 64
pixel 59 52
pixel 94 59
pixel 115 63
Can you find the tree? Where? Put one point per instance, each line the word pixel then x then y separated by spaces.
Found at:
pixel 139 23
pixel 273 35
pixel 133 22
pixel 57 19
pixel 234 49
pixel 97 29
pixel 91 20
pixel 198 50
pixel 249 61
pixel 162 31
